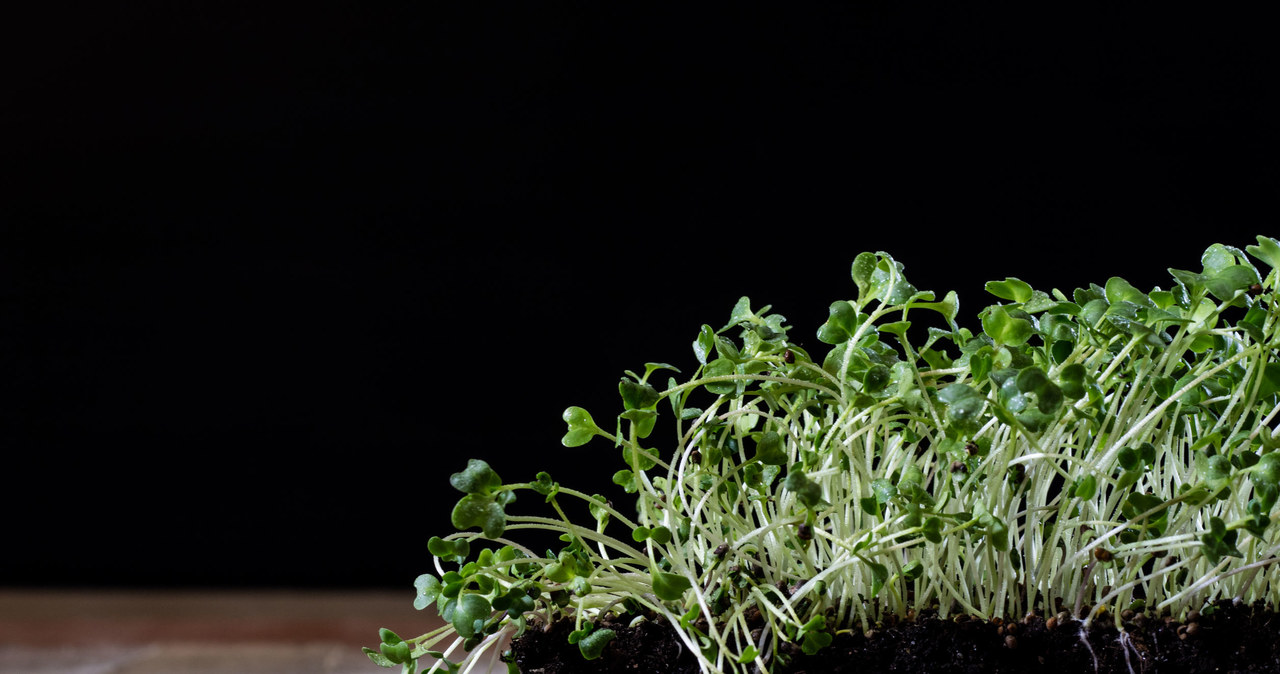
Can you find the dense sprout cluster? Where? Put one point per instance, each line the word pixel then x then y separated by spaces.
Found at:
pixel 1110 448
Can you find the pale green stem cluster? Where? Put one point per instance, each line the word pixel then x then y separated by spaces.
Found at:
pixel 807 497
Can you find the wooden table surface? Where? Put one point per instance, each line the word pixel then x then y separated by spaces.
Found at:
pixel 200 632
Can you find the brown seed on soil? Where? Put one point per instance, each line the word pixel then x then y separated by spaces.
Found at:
pixel 1011 642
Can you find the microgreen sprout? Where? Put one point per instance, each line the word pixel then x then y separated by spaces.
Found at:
pixel 1110 447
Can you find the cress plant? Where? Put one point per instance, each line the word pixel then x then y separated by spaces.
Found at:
pixel 1107 448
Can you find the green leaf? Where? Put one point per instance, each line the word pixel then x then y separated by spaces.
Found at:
pixel 964 407
pixel 476 478
pixel 1163 299
pixel 1217 472
pixel 1061 350
pixel 650 368
pixel 387 636
pixel 1085 487
pixel 769 450
pixel 1119 290
pixel 721 367
pixel 644 420
pixel 1216 258
pixel 1004 328
pixel 1219 542
pixel 477 510
pixel 1267 250
pixel 471 608
pixel 378 658
pixel 748 654
pixel 545 485
pixel 884 490
pixel 1265 496
pixel 1267 470
pixel 1128 458
pixel 393 648
pixel 949 307
pixel 815 641
pixel 875 379
pixel 428 590
pixel 580 586
pixel 1190 281
pixel 1227 282
pixel 456 549
pixel 596 506
pixel 669 586
pixel 563 569
pixel 864 265
pixel 1137 503
pixel 879 576
pixel 627 480
pixel 807 491
pixel 1042 302
pixel 954 393
pixel 994 528
pixel 931 529
pixel 842 323
pixel 980 363
pixel 636 396
pixel 705 344
pixel 592 645
pixel 581 427
pixel 396 653
pixel 1012 289
pixel 741 312
pixel 1071 380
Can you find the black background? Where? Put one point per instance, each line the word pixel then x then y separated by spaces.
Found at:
pixel 269 275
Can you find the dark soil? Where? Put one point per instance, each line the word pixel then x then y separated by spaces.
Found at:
pixel 1231 638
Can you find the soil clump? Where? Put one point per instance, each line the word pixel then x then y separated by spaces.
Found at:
pixel 1225 638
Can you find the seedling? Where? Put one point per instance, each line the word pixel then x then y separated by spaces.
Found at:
pixel 1109 447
